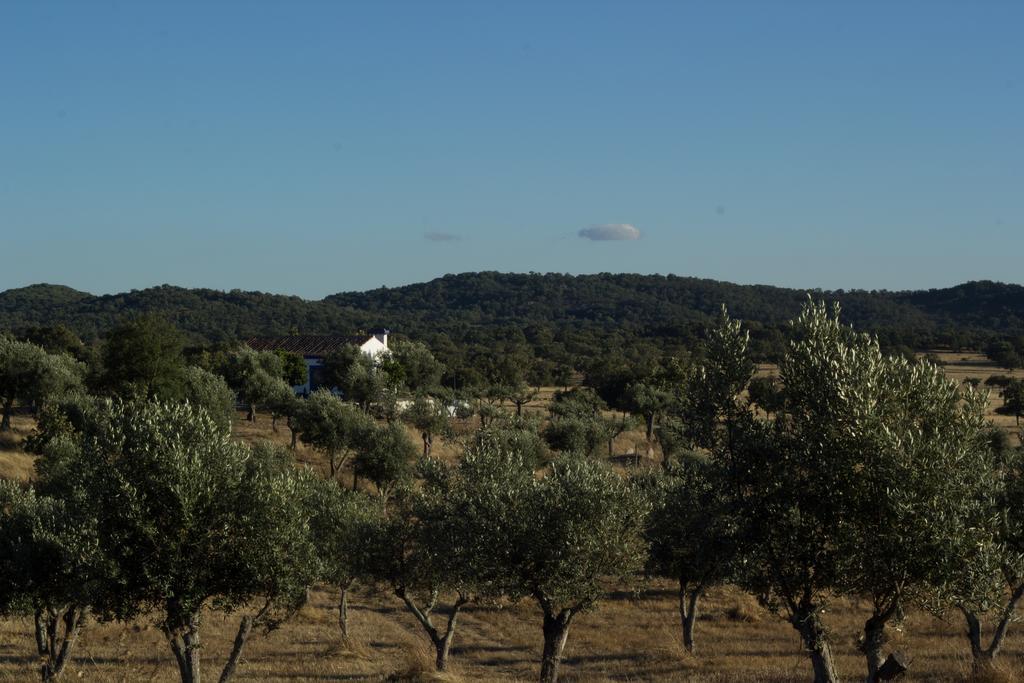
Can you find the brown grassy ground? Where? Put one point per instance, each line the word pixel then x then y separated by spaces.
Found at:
pixel 629 637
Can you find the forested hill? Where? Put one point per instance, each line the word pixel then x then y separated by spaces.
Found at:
pixel 570 313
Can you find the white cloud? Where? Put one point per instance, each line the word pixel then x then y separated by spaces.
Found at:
pixel 610 231
pixel 441 237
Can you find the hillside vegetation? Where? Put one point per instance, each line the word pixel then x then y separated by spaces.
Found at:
pixel 555 314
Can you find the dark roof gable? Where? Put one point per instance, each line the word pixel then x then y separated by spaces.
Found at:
pixel 317 345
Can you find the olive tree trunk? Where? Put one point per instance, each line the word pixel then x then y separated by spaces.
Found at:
pixel 244 629
pixel 343 609
pixel 815 640
pixel 689 601
pixel 442 642
pixel 182 633
pixel 556 632
pixel 985 656
pixel 5 423
pixel 57 631
pixel 875 639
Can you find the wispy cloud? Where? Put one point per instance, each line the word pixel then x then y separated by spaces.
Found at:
pixel 610 231
pixel 441 237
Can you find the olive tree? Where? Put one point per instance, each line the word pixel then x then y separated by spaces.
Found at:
pixel 386 458
pixel 1013 398
pixel 208 390
pixel 257 376
pixel 559 538
pixel 413 365
pixel 201 521
pixel 346 529
pixel 1004 510
pixel 51 567
pixel 447 539
pixel 863 484
pixel 30 374
pixel 333 427
pixel 429 416
pixel 577 425
pixel 691 531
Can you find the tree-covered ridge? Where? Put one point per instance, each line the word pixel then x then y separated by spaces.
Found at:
pixel 476 308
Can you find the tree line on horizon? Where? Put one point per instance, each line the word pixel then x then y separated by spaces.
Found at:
pixel 855 473
pixel 556 319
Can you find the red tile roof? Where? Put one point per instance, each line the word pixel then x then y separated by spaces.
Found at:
pixel 315 345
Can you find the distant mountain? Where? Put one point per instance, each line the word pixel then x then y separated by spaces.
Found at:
pixel 568 313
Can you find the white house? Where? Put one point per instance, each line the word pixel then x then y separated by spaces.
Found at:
pixel 314 348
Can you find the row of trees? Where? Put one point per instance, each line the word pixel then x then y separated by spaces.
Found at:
pixel 862 474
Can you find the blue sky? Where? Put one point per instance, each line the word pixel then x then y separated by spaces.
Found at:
pixel 315 147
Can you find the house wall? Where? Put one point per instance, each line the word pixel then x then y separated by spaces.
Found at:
pixel 372 347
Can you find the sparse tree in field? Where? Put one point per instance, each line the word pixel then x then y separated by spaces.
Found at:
pixel 201 521
pixel 282 402
pixel 333 427
pixel 212 393
pixel 864 484
pixel 337 365
pixel 1004 354
pixel 649 398
pixel 30 374
pixel 363 384
pixel 577 425
pixel 346 528
pixel 386 458
pixel 50 566
pixel 562 376
pixel 429 416
pixel 1013 398
pixel 1003 508
pixel 580 525
pixel 692 534
pixel 440 542
pixel 675 440
pixel 520 394
pixel 517 436
pixel 413 365
pixel 556 539
pixel 486 401
pixel 143 357
pixel 257 376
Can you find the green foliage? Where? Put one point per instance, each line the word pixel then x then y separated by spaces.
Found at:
pixel 257 377
pixel 519 437
pixel 867 483
pixel 413 365
pixel 1013 398
pixel 429 416
pixel 333 427
pixel 692 527
pixel 346 529
pixel 199 521
pixel 143 357
pixel 211 393
pixel 30 374
pixel 767 394
pixel 580 525
pixel 386 458
pixel 293 368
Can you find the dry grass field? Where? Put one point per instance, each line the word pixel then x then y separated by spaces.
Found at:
pixel 631 636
